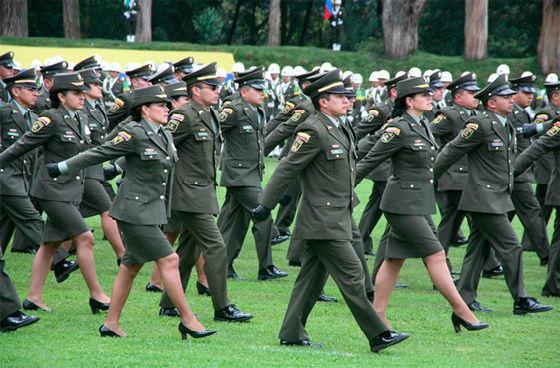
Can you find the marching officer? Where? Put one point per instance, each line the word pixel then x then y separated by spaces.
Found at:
pixel 6 71
pixel 323 156
pixel 183 67
pixel 242 163
pixel 48 72
pixel 488 140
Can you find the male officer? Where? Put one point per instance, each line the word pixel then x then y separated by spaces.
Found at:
pixel 242 164
pixel 88 63
pixel 6 71
pixel 323 156
pixel 488 140
pixel 48 71
pixel 197 136
pixel 183 67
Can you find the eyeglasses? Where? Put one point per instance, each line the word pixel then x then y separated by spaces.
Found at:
pixel 208 86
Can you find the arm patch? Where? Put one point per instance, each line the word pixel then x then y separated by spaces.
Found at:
pixel 40 123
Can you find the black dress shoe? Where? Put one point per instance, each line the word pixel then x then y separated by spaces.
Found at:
pixel 476 307
pixel 386 339
pixel 306 343
pixel 25 251
pixel 278 239
pixel 29 305
pixel 270 273
pixel 458 322
pixel 63 269
pixel 151 288
pixel 16 320
pixel 543 261
pixel 234 275
pixel 530 305
pixel 495 272
pixel 185 331
pixel 550 293
pixel 105 332
pixel 460 240
pixel 97 306
pixel 327 299
pixel 231 314
pixel 119 261
pixel 169 312
pixel 202 290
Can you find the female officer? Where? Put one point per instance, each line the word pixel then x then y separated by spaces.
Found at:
pixel 62 132
pixel 142 204
pixel 408 200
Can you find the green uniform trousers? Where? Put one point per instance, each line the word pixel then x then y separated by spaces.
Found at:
pixel 201 236
pixel 338 259
pixel 287 213
pixel 371 215
pixel 9 300
pixel 552 284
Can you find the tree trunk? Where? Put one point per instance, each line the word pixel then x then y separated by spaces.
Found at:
pixel 14 18
pixel 306 21
pixel 71 18
pixel 274 23
pixel 400 26
pixel 548 49
pixel 476 29
pixel 144 22
pixel 234 22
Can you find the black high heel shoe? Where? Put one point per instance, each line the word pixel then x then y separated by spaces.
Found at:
pixel 105 332
pixel 202 290
pixel 29 305
pixel 184 330
pixel 458 322
pixel 97 306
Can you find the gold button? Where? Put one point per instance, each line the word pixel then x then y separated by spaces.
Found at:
pixel 431 170
pixel 77 178
pixel 136 198
pixel 328 203
pixel 161 197
pixel 165 171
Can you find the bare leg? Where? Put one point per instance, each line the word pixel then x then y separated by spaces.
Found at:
pixel 384 284
pixel 155 278
pixel 200 271
pixel 40 270
pixel 112 234
pixel 67 245
pixel 439 273
pixel 121 289
pixel 169 267
pixel 84 253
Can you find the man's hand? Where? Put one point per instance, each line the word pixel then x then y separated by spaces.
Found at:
pixel 110 172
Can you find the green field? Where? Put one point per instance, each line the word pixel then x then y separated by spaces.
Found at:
pixel 68 337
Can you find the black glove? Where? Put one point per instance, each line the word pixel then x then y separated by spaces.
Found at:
pixel 529 130
pixel 260 213
pixel 53 170
pixel 110 172
pixel 285 199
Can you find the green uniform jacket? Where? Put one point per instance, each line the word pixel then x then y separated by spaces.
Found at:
pixel 120 110
pixel 145 193
pixel 283 114
pixel 61 137
pixel 3 92
pixel 98 125
pixel 15 179
pixel 376 117
pixel 287 128
pixel 490 149
pixel 197 138
pixel 543 166
pixel 242 162
pixel 324 158
pixel 43 102
pixel 412 150
pixel 550 141
pixel 447 125
pixel 518 117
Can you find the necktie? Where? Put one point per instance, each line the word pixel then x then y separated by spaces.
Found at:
pixel 27 117
pixel 472 113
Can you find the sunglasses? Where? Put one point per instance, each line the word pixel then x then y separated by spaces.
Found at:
pixel 208 86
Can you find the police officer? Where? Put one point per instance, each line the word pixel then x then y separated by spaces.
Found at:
pixel 183 67
pixel 88 63
pixel 323 156
pixel 242 164
pixel 48 72
pixel 142 204
pixel 408 200
pixel 6 71
pixel 62 132
pixel 488 140
pixel 196 134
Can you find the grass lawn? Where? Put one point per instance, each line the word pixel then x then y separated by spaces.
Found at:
pixel 68 337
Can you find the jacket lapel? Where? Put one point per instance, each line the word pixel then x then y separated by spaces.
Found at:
pixel 501 131
pixel 419 128
pixel 337 133
pixel 72 123
pixel 19 118
pixel 205 117
pixel 252 114
pixel 153 136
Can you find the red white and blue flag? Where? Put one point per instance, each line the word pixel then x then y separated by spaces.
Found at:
pixel 328 9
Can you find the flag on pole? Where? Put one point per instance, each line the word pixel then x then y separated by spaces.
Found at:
pixel 328 9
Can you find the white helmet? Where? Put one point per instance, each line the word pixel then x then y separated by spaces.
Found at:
pixel 326 67
pixel 221 73
pixel 337 2
pixel 114 67
pixel 502 69
pixel 357 78
pixel 373 77
pixel 383 74
pixel 346 74
pixel 274 68
pixel 414 72
pixel 492 77
pixel 298 70
pixel 35 64
pixel 526 74
pixel 446 77
pixel 427 73
pixel 238 68
pixel 551 78
pixel 152 64
pixel 399 73
pixel 287 71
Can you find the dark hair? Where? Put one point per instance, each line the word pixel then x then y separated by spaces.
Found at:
pixel 136 113
pixel 486 100
pixel 55 102
pixel 399 107
pixel 315 100
pixel 190 89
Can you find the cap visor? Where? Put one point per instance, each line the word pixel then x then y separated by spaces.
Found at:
pixel 437 85
pixel 528 89
pixel 506 92
pixel 212 82
pixel 337 90
pixel 474 88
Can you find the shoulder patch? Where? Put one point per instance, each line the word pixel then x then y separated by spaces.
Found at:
pixel 121 136
pixel 539 118
pixel 301 138
pixel 40 123
pixel 118 104
pixel 296 116
pixel 174 122
pixel 288 107
pixel 439 119
pixel 469 130
pixel 554 130
pixel 389 134
pixel 394 130
pixel 226 111
pixel 179 117
pixel 373 112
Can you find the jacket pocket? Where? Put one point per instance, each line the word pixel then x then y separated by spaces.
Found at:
pixel 412 184
pixel 136 197
pixel 330 202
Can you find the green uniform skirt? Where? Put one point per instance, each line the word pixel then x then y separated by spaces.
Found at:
pixel 95 199
pixel 64 221
pixel 143 243
pixel 411 236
